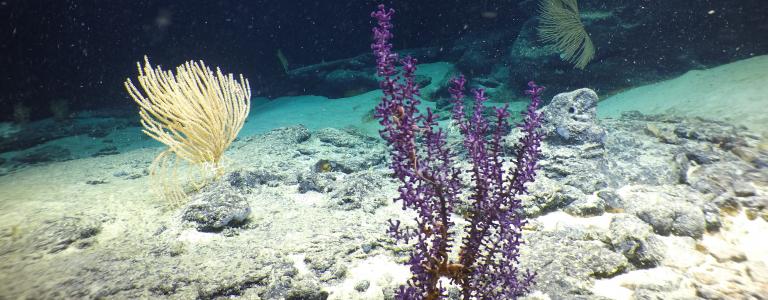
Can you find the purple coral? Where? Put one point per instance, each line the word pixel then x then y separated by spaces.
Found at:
pixel 431 183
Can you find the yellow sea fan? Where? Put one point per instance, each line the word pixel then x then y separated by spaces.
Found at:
pixel 197 113
pixel 560 26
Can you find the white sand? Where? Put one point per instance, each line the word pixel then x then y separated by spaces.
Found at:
pixel 735 92
pixel 738 235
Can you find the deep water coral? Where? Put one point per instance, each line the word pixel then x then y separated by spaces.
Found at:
pixel 560 25
pixel 431 184
pixel 196 113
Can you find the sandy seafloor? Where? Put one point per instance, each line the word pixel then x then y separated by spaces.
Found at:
pixel 91 227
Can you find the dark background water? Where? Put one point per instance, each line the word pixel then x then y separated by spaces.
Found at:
pixel 82 51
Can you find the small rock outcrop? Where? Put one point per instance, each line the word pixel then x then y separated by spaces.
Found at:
pixel 217 208
pixel 571 118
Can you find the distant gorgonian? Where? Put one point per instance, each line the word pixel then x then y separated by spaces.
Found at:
pixel 560 26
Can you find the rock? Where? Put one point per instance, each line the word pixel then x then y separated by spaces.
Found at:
pixel 340 83
pixel 570 273
pixel 684 164
pixel 636 241
pixel 712 217
pixel 547 195
pixel 57 235
pixel 306 290
pixel 580 166
pixel 346 151
pixel 651 252
pixel 479 55
pixel 107 150
pixel 39 132
pixel 496 90
pixel 679 219
pixel 364 160
pixel 633 157
pixel 586 206
pixel 667 212
pixel 252 179
pixel 325 166
pixel 328 267
pixel 726 201
pixel 343 138
pixel 665 135
pixel 359 191
pixel 362 286
pixel 48 153
pixel 333 79
pixel 743 189
pixel 216 208
pixel 710 131
pixel 720 178
pixel 346 77
pixel 612 201
pixel 285 135
pixel 702 155
pixel 746 154
pixel 318 182
pixel 571 118
pixel 757 202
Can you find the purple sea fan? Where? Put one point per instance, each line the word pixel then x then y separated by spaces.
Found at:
pixel 493 237
pixel 486 267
